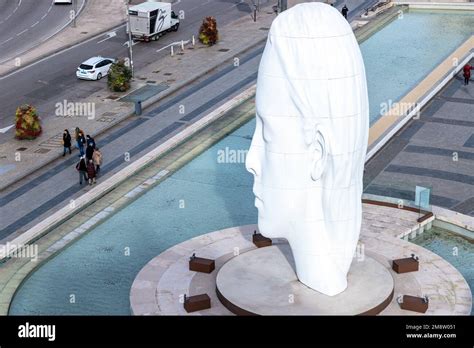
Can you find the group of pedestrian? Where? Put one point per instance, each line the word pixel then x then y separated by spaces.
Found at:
pixel 90 157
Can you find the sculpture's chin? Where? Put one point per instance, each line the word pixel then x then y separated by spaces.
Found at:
pixel 323 288
pixel 268 228
pixel 320 272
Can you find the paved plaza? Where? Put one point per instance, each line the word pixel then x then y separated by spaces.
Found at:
pixel 435 151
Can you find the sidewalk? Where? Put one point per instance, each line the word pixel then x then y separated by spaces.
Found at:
pixel 91 22
pixel 169 74
pixel 434 151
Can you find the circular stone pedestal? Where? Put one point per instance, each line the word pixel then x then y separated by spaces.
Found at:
pixel 263 282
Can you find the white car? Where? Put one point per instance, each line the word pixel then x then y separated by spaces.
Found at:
pixel 94 68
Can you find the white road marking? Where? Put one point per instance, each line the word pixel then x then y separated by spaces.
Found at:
pixel 16 8
pixel 195 8
pixel 22 32
pixel 109 36
pixel 4 42
pixel 6 129
pixel 133 43
pixel 28 66
pixel 34 25
pixel 44 16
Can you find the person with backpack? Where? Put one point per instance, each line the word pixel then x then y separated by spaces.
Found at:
pixel 91 173
pixel 97 159
pixel 89 152
pixel 344 11
pixel 82 169
pixel 66 142
pixel 90 141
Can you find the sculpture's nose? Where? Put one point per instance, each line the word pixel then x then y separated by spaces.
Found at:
pixel 252 162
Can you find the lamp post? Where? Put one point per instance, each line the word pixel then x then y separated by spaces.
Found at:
pixel 130 40
pixel 74 13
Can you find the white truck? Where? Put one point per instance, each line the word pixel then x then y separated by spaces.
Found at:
pixel 150 20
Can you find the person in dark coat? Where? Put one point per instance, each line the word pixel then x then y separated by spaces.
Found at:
pixel 66 142
pixel 89 152
pixel 467 73
pixel 82 169
pixel 91 173
pixel 344 11
pixel 90 141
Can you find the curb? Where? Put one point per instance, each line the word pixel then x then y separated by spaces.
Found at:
pixel 124 116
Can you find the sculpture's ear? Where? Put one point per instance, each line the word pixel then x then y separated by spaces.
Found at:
pixel 320 153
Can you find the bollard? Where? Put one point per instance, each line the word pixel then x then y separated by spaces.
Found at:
pixel 138 107
pixel 172 51
pixel 182 45
pixel 194 41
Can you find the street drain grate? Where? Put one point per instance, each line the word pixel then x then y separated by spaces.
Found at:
pixel 264 28
pixel 84 32
pixel 142 78
pixel 151 82
pixel 108 113
pixel 22 149
pixel 156 72
pixel 42 150
pixel 168 74
pixel 224 50
pixel 113 97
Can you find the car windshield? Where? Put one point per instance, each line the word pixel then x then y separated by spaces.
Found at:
pixel 85 67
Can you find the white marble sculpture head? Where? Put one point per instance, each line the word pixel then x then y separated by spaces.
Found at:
pixel 308 151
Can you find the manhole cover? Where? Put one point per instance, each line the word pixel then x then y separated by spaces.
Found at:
pixel 22 149
pixel 224 50
pixel 42 150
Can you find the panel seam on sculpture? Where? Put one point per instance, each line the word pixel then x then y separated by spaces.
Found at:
pixel 310 117
pixel 309 79
pixel 345 188
pixel 363 148
pixel 272 36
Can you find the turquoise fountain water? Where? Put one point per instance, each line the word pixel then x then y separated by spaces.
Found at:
pixel 94 275
pixel 455 249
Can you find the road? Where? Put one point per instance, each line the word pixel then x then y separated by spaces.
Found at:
pixel 32 199
pixel 49 81
pixel 26 23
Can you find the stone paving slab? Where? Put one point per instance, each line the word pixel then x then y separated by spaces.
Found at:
pixel 431 154
pixel 167 278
